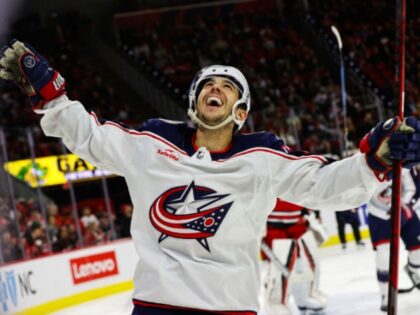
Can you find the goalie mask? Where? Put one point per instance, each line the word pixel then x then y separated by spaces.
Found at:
pixel 233 75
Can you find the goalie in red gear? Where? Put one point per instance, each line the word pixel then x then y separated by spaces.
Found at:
pixel 294 234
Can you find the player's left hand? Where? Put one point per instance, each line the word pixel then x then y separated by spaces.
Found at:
pixel 404 144
pixel 392 140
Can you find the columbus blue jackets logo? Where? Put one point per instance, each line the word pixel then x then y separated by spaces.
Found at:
pixel 189 212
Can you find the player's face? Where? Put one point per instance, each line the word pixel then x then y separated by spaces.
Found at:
pixel 216 100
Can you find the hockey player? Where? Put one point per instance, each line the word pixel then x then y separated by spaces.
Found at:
pixel 348 217
pixel 380 231
pixel 202 195
pixel 290 235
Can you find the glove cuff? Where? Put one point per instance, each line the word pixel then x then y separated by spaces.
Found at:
pixel 382 171
pixel 54 88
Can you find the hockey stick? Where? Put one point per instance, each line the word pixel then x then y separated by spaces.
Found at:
pixel 397 167
pixel 269 253
pixel 343 87
pixel 409 289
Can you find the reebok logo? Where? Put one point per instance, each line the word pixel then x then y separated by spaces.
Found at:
pixel 58 82
pixel 93 267
pixel 169 153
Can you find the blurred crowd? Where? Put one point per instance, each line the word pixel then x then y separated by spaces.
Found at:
pixel 293 94
pixel 32 235
pixel 368 30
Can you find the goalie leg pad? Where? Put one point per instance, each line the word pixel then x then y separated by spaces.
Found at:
pixel 309 243
pixel 305 291
pixel 277 286
pixel 319 231
pixel 309 248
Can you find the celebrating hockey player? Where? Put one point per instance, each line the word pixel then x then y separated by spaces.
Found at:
pixel 294 234
pixel 379 209
pixel 202 195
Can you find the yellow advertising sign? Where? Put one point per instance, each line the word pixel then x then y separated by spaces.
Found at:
pixel 53 170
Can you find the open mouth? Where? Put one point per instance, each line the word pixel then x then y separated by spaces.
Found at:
pixel 214 101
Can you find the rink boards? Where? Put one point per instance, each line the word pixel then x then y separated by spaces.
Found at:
pixel 43 285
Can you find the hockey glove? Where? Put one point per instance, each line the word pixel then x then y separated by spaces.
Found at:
pixel 30 71
pixel 392 140
pixel 405 143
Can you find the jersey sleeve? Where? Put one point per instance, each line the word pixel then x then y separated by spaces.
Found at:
pixel 408 187
pixel 317 183
pixel 107 145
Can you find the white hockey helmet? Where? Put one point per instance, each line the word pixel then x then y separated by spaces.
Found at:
pixel 233 75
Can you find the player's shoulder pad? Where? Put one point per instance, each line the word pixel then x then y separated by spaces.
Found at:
pixel 170 130
pixel 298 153
pixel 157 125
pixel 263 139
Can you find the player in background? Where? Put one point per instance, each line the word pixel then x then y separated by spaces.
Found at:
pixel 379 219
pixel 294 234
pixel 348 217
pixel 202 195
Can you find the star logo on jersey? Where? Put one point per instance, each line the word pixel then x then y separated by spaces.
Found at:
pixel 189 212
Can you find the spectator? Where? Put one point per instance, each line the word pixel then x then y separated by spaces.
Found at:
pixel 36 243
pixel 94 235
pixel 65 241
pixel 105 224
pixel 88 217
pixel 9 246
pixel 125 220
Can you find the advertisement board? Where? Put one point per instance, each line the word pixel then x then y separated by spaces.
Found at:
pixel 53 170
pixel 44 285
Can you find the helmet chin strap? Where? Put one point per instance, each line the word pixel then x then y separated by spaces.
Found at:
pixel 195 119
pixel 193 115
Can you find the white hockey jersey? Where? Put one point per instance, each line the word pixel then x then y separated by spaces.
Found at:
pixel 199 216
pixel 380 203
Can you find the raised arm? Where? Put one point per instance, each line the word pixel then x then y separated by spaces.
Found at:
pixel 312 181
pixel 104 145
pixel 107 145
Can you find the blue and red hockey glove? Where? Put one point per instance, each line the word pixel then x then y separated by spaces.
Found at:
pixel 30 71
pixel 392 140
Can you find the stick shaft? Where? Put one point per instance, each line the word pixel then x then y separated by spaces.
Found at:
pixel 344 102
pixel 269 253
pixel 343 90
pixel 397 167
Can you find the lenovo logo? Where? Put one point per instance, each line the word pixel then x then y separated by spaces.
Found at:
pixel 93 267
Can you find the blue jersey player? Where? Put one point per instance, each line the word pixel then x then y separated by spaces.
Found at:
pixel 379 208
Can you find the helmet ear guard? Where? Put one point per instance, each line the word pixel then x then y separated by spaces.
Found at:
pixel 232 74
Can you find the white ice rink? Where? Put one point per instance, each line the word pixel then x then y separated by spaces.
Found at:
pixel 347 277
